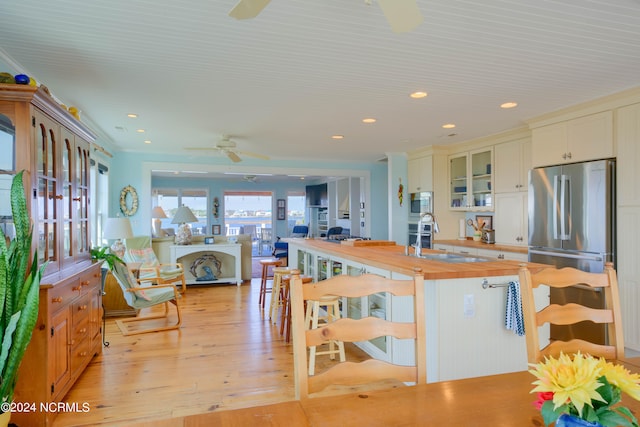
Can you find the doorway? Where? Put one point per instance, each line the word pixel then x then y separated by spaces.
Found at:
pixel 250 212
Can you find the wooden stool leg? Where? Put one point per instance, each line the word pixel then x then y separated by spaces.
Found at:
pixel 275 296
pixel 335 315
pixel 286 304
pixel 313 307
pixel 263 285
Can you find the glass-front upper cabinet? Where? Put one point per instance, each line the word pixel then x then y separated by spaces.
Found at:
pixel 62 176
pixel 48 195
pixel 81 187
pixel 7 171
pixel 470 179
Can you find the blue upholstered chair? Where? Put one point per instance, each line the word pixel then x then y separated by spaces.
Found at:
pixel 334 231
pixel 281 249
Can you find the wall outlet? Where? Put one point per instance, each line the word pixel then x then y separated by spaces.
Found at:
pixel 469 305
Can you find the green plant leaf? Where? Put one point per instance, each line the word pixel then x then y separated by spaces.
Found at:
pixel 549 415
pixel 19 291
pixel 612 419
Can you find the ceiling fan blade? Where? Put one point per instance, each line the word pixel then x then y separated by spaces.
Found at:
pixel 247 9
pixel 402 15
pixel 233 156
pixel 256 155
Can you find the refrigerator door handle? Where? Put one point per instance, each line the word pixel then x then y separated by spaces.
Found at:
pixel 564 214
pixel 555 206
pixel 567 255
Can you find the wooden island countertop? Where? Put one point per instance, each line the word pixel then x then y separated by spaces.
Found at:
pixel 393 258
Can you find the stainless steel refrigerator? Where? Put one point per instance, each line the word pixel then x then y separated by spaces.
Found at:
pixel 572 224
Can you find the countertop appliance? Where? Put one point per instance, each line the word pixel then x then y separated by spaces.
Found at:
pixel 420 203
pixel 572 224
pixel 488 236
pixel 426 235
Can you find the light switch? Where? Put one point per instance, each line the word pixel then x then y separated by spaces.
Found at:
pixel 469 305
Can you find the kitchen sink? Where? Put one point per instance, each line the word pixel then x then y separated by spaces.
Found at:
pixel 448 257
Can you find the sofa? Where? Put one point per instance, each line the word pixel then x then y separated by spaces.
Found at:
pixel 162 248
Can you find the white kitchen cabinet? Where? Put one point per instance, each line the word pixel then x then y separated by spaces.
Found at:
pixel 628 139
pixel 441 247
pixel 585 138
pixel 420 174
pixel 628 270
pixel 510 219
pixel 464 250
pixel 500 255
pixel 513 161
pixel 470 180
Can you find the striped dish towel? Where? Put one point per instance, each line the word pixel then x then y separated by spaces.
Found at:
pixel 513 319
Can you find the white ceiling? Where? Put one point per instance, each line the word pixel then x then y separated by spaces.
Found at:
pixel 281 84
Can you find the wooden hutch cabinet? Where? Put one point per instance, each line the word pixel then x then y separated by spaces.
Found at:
pixel 53 148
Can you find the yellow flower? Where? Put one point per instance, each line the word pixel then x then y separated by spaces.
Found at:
pixel 621 377
pixel 571 381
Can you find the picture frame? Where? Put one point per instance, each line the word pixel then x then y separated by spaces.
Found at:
pixel 281 212
pixel 208 241
pixel 487 219
pixel 216 229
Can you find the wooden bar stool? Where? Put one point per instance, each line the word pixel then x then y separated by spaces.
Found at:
pixel 285 314
pixel 266 263
pixel 331 305
pixel 277 300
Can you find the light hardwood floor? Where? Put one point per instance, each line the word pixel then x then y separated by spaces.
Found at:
pixel 225 356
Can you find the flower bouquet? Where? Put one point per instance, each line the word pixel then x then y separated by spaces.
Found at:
pixel 585 388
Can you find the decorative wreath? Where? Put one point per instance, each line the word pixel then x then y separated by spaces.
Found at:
pixel 129 210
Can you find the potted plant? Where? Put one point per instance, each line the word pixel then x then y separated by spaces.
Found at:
pixel 19 294
pixel 582 390
pixel 103 254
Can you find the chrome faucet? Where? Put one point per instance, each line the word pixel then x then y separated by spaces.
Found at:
pixel 426 217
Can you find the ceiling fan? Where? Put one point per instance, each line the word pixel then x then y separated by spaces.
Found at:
pixel 403 15
pixel 228 147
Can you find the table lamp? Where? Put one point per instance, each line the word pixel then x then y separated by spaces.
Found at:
pixel 183 217
pixel 156 214
pixel 118 229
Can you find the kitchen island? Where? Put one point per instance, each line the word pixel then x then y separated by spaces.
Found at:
pixel 466 336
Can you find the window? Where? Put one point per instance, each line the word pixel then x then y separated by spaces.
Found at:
pixel 195 199
pixel 247 212
pixel 295 210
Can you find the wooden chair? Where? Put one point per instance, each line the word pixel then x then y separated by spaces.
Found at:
pixel 139 250
pixel 145 295
pixel 350 330
pixel 572 313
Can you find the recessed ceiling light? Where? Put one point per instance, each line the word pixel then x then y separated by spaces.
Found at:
pixel 140 130
pixel 337 136
pixel 448 126
pixel 132 115
pixel 509 105
pixel 147 141
pixel 418 95
pixel 369 120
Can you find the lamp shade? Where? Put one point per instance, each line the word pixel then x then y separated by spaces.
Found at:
pixel 184 215
pixel 117 228
pixel 158 212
